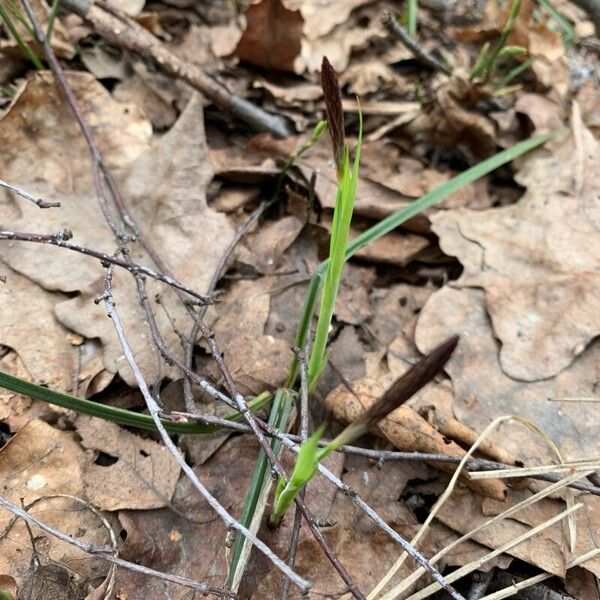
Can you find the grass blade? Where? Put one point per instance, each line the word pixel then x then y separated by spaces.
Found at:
pixel 112 413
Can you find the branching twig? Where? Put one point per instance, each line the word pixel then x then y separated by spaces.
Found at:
pixel 102 176
pixel 155 411
pixel 119 29
pixel 20 192
pixel 61 240
pixel 302 354
pixel 107 554
pixel 426 59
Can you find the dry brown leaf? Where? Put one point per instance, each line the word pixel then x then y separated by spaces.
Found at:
pixel 53 159
pixel 340 42
pixel 137 90
pixel 40 461
pixel 321 16
pixel 539 275
pixel 272 36
pixel 553 77
pixel 194 46
pixel 29 327
pixel 482 391
pixel 352 305
pixel 130 7
pixel 450 118
pixel 549 549
pixel 588 98
pixel 396 248
pixel 412 179
pixel 265 247
pixel 104 62
pixel 370 76
pixel 544 114
pixel 546 550
pixel 165 189
pixel 373 200
pixel 297 93
pixel 141 473
pixel 395 308
pixel 532 35
pixel 255 360
pixel 582 584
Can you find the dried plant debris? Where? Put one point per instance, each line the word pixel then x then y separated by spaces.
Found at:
pixel 509 262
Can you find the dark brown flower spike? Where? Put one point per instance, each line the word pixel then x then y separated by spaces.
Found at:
pixel 406 386
pixel 335 113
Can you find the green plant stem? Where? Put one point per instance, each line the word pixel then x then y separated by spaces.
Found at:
pixel 280 413
pixel 282 403
pixel 29 53
pixel 411 18
pixel 396 219
pixel 112 413
pixel 485 66
pixel 52 18
pixel 515 72
pixel 563 22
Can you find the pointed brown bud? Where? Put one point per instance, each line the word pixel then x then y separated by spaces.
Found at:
pixel 335 113
pixel 406 386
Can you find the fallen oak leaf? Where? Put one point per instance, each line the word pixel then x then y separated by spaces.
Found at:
pixel 143 475
pixel 540 277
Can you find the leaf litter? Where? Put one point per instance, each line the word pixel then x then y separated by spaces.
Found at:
pixel 509 262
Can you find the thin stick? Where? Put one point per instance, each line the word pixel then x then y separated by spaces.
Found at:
pixel 155 411
pixel 301 354
pixel 21 192
pixel 277 465
pixel 381 456
pixel 426 59
pixel 61 240
pixel 107 554
pixel 119 29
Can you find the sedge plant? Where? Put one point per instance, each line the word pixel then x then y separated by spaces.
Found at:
pixel 311 454
pixel 485 63
pixel 347 176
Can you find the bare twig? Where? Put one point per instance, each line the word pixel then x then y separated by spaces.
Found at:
pixel 302 354
pixel 212 286
pixel 119 29
pixel 102 174
pixel 155 412
pixel 381 456
pixel 61 240
pixel 426 59
pixel 107 554
pixel 21 192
